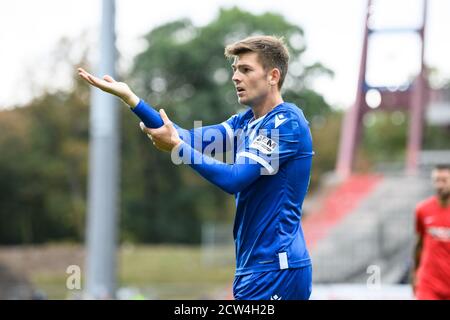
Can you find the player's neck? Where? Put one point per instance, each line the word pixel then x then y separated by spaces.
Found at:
pixel 444 201
pixel 265 106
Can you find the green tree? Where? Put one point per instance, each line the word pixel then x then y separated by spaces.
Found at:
pixel 43 169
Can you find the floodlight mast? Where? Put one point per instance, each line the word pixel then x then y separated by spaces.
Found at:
pixel 104 164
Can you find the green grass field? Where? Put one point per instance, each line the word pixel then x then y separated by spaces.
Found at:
pixel 158 272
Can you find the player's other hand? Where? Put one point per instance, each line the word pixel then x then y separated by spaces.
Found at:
pixel 108 84
pixel 164 138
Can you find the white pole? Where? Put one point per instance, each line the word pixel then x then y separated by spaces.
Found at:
pixel 104 163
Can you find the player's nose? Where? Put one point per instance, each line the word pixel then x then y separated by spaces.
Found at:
pixel 236 79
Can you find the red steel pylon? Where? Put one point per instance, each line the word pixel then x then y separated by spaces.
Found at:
pixel 414 99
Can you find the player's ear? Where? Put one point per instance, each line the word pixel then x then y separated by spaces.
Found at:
pixel 274 76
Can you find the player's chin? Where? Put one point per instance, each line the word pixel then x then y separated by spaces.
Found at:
pixel 243 101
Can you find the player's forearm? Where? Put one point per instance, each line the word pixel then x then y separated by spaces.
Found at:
pixel 417 253
pixel 417 256
pixel 198 138
pixel 230 178
pixel 417 259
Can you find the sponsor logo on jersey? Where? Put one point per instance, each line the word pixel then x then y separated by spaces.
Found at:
pixel 439 233
pixel 263 144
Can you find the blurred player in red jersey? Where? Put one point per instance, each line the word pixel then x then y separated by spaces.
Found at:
pixel 431 278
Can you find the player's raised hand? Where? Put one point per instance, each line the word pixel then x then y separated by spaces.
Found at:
pixel 108 84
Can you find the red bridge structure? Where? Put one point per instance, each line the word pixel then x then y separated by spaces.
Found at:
pixel 413 98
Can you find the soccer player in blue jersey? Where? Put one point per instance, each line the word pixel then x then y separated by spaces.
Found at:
pixel 271 151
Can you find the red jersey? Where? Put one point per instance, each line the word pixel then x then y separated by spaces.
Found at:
pixel 433 224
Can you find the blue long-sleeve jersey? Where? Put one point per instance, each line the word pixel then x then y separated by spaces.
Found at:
pixel 269 176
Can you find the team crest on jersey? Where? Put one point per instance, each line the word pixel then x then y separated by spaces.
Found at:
pixel 263 144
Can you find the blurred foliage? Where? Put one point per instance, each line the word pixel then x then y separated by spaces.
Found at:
pixel 43 168
pixel 44 145
pixel 325 132
pixel 385 139
pixel 437 138
pixel 382 133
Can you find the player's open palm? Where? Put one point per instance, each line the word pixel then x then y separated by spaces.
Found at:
pixel 108 84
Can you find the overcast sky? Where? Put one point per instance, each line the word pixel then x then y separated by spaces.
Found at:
pixel 30 30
